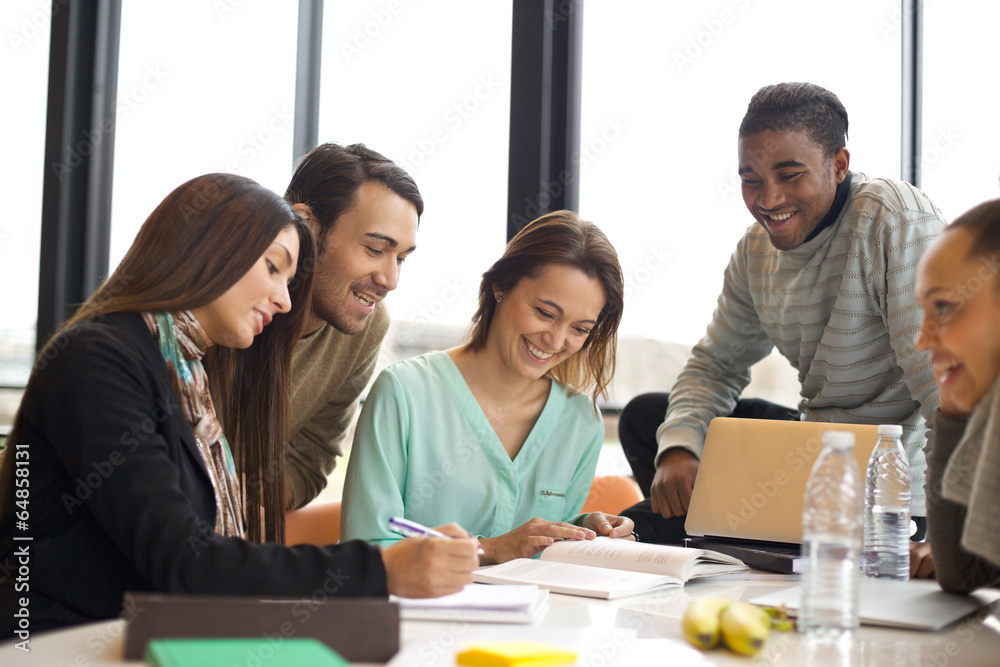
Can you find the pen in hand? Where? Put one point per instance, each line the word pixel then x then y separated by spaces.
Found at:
pixel 407 528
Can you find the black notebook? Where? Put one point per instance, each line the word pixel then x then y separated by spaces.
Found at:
pixel 779 557
pixel 359 629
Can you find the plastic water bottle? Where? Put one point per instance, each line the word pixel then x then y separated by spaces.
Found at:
pixel 887 508
pixel 831 540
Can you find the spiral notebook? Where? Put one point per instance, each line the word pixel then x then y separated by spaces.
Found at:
pixel 479 603
pixel 747 498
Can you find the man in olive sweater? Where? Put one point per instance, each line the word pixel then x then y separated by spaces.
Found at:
pixel 364 211
pixel 824 275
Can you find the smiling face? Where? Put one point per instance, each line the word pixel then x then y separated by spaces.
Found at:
pixel 363 256
pixel 242 311
pixel 961 303
pixel 544 320
pixel 788 185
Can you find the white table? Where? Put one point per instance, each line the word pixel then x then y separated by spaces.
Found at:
pixel 637 631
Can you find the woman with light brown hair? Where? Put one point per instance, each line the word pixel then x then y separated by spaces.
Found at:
pixel 119 475
pixel 499 434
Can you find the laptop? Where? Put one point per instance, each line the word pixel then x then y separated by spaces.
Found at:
pixel 913 605
pixel 747 497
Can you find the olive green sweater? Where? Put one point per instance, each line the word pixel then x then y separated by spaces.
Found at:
pixel 329 371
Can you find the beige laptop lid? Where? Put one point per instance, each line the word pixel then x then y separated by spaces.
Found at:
pixel 753 472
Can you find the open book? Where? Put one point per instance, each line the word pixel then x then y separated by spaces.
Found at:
pixel 607 568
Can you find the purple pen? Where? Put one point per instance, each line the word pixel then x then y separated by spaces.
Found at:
pixel 407 528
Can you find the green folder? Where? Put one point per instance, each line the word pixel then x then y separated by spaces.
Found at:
pixel 275 652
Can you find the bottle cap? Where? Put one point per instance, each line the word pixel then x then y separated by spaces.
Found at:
pixel 839 440
pixel 890 429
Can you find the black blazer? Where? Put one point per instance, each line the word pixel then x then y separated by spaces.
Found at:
pixel 120 500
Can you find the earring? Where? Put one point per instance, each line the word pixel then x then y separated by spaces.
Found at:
pixel 498 298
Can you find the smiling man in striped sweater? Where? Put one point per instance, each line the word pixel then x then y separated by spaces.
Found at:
pixel 825 274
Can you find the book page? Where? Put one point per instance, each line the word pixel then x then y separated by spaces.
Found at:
pixel 620 554
pixel 573 579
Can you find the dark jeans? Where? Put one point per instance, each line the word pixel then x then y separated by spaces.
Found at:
pixel 637 432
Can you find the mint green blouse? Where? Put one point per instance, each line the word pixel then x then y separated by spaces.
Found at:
pixel 425 450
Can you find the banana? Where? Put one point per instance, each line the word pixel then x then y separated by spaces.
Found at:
pixel 701 621
pixel 744 627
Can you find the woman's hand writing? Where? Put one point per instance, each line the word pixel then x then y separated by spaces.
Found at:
pixel 428 567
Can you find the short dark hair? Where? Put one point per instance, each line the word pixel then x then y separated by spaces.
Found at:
pixel 983 222
pixel 327 179
pixel 798 107
pixel 562 238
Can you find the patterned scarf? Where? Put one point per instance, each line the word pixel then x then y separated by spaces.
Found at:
pixel 183 344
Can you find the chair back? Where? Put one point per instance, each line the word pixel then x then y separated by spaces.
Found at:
pixel 611 494
pixel 318 523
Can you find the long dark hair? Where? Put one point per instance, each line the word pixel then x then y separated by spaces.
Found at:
pixel 197 243
pixel 561 237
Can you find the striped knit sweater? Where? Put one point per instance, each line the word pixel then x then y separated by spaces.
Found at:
pixel 840 308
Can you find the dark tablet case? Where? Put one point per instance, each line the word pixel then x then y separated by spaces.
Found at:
pixel 359 629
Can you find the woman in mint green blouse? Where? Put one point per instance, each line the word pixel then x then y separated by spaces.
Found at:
pixel 501 435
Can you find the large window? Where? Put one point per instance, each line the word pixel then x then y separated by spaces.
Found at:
pixel 960 159
pixel 665 86
pixel 202 87
pixel 429 87
pixel 24 61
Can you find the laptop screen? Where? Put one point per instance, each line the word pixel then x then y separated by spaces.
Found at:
pixel 752 476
